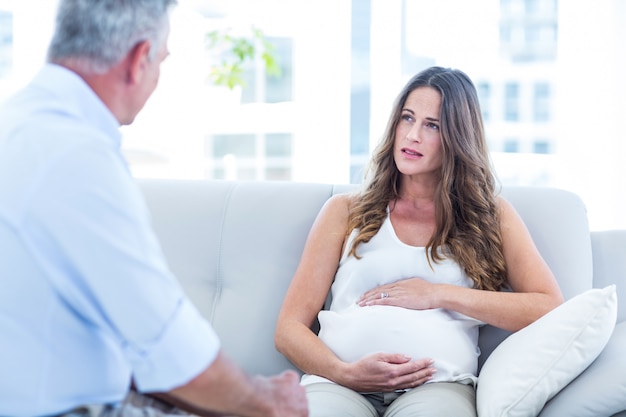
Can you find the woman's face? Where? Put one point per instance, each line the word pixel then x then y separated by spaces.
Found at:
pixel 417 148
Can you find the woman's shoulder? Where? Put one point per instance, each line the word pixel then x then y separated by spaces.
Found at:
pixel 504 206
pixel 342 201
pixel 336 208
pixel 340 207
pixel 509 217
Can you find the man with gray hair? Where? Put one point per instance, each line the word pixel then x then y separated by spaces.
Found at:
pixel 90 314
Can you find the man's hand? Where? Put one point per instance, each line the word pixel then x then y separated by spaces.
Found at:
pixel 225 389
pixel 288 395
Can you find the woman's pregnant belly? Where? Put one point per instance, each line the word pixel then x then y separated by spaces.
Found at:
pixel 449 338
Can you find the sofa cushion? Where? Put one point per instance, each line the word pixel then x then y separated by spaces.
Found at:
pixel 601 389
pixel 235 246
pixel 557 221
pixel 609 264
pixel 530 366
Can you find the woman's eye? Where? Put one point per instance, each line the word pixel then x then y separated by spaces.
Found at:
pixel 432 126
pixel 407 117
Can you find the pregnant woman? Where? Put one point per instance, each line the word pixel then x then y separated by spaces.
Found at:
pixel 416 261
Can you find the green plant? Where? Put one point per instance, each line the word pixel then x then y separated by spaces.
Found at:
pixel 233 52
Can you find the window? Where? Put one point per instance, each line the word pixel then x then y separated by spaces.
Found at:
pixel 360 87
pixel 239 146
pixel 541 102
pixel 249 156
pixel 528 30
pixel 532 34
pixel 278 156
pixel 511 145
pixel 541 146
pixel 506 34
pixel 343 62
pixel 484 96
pixel 266 88
pixel 279 89
pixel 278 145
pixel 6 43
pixel 511 102
pixel 531 6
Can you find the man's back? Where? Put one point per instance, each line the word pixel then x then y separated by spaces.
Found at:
pixel 86 296
pixel 85 290
pixel 41 135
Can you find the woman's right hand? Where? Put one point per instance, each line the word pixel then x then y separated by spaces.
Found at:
pixel 386 372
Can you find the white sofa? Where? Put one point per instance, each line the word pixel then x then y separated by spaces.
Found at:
pixel 235 245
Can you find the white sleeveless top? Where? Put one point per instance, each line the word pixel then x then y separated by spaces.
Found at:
pixel 351 331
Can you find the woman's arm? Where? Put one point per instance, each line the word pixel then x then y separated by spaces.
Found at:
pixel 308 291
pixel 304 300
pixel 535 289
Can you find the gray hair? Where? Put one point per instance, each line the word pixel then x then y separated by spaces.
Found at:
pixel 97 34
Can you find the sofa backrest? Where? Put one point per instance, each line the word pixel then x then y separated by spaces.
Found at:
pixel 235 245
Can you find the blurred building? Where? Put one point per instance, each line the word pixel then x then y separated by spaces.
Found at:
pixel 549 75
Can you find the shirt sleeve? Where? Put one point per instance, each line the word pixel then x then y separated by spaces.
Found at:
pixel 90 230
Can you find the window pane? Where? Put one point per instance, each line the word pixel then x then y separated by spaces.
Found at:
pixel 278 144
pixel 6 42
pixel 511 145
pixel 484 96
pixel 338 83
pixel 278 174
pixel 541 146
pixel 280 88
pixel 248 91
pixel 241 146
pixel 541 102
pixel 511 102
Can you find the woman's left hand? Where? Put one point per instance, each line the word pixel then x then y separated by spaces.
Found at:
pixel 413 293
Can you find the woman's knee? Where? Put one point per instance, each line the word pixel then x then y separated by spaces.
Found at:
pixel 332 400
pixel 438 399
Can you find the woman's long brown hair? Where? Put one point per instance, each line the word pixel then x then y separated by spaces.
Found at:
pixel 467 219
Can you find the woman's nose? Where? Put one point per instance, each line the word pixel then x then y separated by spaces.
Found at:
pixel 414 134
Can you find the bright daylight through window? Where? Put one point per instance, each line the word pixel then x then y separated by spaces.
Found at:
pixel 311 97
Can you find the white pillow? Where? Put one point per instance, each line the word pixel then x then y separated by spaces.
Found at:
pixel 530 366
pixel 601 389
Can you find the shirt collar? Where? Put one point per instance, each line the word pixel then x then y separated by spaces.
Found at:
pixel 81 99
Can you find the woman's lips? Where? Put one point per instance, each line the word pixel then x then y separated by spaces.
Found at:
pixel 411 153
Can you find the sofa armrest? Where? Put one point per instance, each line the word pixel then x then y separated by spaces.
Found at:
pixel 609 264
